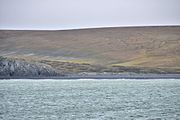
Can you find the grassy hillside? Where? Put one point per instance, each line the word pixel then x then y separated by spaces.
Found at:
pixel 100 49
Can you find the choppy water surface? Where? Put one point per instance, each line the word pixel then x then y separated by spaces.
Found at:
pixel 89 99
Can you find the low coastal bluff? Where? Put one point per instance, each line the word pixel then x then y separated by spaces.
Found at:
pixel 20 68
pixel 139 50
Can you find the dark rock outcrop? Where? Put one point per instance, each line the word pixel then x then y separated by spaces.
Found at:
pixel 21 68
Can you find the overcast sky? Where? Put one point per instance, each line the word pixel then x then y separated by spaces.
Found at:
pixel 68 14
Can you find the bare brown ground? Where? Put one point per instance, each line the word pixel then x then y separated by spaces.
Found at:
pixel 138 47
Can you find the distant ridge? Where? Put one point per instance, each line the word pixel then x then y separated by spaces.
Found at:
pixel 93 27
pixel 143 49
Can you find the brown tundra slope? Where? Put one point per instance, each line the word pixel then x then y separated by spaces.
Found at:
pixel 131 49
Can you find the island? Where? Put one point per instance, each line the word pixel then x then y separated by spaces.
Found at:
pixel 119 52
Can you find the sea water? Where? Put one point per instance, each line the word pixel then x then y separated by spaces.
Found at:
pixel 152 99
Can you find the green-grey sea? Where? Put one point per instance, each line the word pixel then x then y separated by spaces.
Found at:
pixel 90 99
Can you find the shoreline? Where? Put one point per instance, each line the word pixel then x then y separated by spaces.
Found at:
pixel 100 76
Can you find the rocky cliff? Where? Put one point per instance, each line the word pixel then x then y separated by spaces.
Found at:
pixel 20 68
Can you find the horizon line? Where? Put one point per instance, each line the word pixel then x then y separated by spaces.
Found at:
pixel 93 27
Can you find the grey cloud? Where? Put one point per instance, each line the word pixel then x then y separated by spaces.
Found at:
pixel 64 14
